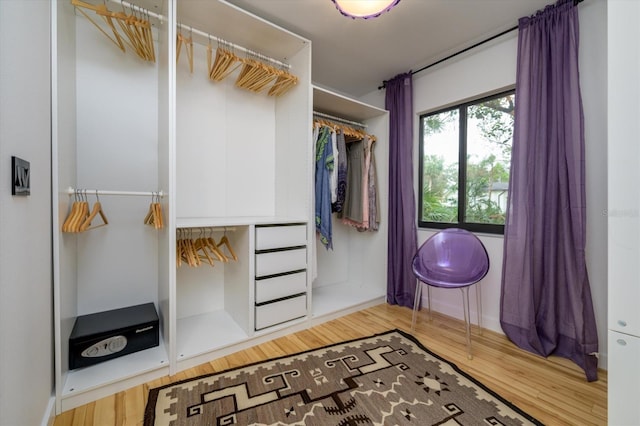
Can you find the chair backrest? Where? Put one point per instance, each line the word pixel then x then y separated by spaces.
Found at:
pixel 451 258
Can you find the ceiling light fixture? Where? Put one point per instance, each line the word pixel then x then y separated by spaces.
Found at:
pixel 364 9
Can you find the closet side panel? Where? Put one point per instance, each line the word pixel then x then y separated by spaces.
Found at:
pixel 64 167
pixel 117 133
pixel 166 178
pixel 293 141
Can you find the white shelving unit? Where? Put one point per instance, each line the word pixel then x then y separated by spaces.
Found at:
pixel 353 275
pixel 225 159
pixel 109 132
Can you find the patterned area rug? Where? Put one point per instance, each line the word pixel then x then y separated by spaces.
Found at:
pixel 385 379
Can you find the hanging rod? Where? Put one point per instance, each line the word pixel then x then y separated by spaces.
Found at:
pixel 206 228
pixel 204 34
pixel 73 191
pixel 338 119
pixel 235 46
pixel 140 9
pixel 466 49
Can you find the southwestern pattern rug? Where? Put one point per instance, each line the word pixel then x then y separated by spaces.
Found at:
pixel 385 379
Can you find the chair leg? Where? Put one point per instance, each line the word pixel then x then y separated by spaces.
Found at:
pixel 416 304
pixel 467 324
pixel 479 306
pixel 429 302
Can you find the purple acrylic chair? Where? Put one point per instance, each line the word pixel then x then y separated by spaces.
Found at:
pixel 452 258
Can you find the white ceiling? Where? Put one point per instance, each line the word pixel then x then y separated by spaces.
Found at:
pixel 355 56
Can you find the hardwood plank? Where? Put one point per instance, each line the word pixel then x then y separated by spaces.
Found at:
pixel 553 390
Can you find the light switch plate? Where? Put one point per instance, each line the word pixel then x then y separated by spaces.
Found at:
pixel 21 176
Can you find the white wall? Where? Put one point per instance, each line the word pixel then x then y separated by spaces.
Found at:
pixel 26 330
pixel 489 68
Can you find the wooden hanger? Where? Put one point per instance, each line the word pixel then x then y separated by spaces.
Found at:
pixel 66 226
pixel 97 210
pixel 154 214
pixel 224 241
pixel 352 134
pixel 255 75
pixel 103 11
pixel 222 65
pixel 213 247
pixel 188 45
pixel 201 248
pixel 283 83
pixel 80 215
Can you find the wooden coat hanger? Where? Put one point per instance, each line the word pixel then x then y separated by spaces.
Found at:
pixel 97 210
pixel 224 241
pixel 79 214
pixel 188 45
pixel 66 226
pixel 223 64
pixel 108 16
pixel 283 83
pixel 154 214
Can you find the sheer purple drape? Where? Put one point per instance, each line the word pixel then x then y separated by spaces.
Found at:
pixel 546 305
pixel 402 244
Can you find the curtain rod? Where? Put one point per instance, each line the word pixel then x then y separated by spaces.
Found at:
pixel 208 36
pixel 384 82
pixel 338 119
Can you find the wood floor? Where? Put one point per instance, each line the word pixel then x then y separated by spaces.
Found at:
pixel 553 390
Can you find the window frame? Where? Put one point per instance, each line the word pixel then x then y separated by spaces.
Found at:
pixel 488 228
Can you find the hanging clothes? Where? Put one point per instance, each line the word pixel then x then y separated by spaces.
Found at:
pixel 352 209
pixel 333 175
pixel 345 179
pixel 342 165
pixel 324 166
pixel 374 200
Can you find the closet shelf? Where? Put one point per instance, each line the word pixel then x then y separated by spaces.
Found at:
pixel 204 222
pixel 199 334
pixel 153 361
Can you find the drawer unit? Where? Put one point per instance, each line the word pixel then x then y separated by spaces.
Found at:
pixel 274 237
pixel 279 262
pixel 280 274
pixel 280 286
pixel 280 311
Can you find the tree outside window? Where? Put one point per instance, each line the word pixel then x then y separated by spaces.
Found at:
pixel 464 169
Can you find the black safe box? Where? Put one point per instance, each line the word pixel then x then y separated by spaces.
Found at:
pixel 110 334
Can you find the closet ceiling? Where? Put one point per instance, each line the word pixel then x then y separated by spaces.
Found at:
pixel 355 56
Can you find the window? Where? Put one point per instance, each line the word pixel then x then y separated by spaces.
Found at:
pixel 464 169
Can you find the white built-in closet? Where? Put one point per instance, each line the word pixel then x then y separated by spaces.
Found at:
pixel 229 162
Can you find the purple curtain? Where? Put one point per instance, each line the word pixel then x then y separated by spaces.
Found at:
pixel 546 305
pixel 402 244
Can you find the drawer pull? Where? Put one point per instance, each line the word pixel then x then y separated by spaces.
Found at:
pixel 622 323
pixel 622 342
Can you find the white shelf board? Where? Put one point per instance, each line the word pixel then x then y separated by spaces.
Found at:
pixel 336 297
pixel 207 332
pixel 342 106
pixel 203 222
pixel 115 370
pixel 229 22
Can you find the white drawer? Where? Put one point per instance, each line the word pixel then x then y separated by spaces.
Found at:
pixel 272 237
pixel 279 312
pixel 278 262
pixel 280 286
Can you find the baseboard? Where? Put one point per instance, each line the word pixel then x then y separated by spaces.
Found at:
pixel 488 322
pixel 455 311
pixel 49 415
